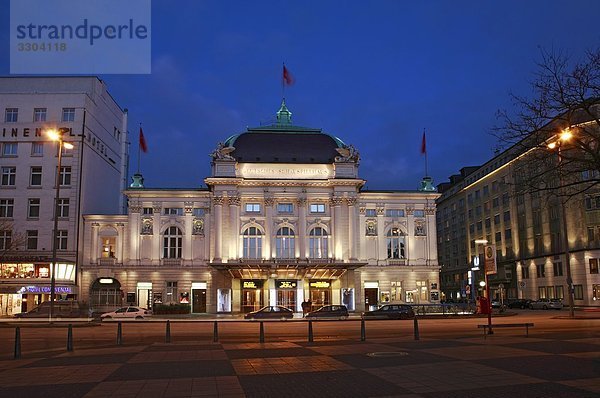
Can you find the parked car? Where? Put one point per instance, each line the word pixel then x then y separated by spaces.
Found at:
pixel 391 311
pixel 519 303
pixel 127 313
pixel 330 311
pixel 62 309
pixel 496 304
pixel 271 312
pixel 545 304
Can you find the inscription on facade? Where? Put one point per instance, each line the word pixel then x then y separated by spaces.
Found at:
pixel 280 171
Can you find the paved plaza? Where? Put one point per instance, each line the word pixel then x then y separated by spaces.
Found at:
pixel 545 364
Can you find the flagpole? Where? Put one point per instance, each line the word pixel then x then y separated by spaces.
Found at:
pixel 139 149
pixel 426 168
pixel 283 82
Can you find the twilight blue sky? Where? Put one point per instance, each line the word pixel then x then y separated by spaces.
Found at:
pixel 374 73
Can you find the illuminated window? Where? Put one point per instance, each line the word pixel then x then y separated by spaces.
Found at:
pixel 108 247
pixel 285 243
pixel 395 243
pixel 317 208
pixel 252 243
pixel 252 207
pixel 317 242
pixel 172 242
pixel 593 265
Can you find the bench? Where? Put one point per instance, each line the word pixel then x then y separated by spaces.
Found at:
pixel 506 325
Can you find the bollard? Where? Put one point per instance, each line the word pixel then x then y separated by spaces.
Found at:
pixel 215 332
pixel 70 338
pixel 17 343
pixel 310 332
pixel 262 333
pixel 119 334
pixel 416 327
pixel 168 333
pixel 363 332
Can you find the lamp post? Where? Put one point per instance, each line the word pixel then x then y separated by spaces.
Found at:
pixel 56 135
pixel 563 137
pixel 482 243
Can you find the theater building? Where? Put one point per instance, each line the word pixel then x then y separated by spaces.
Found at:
pixel 92 175
pixel 284 219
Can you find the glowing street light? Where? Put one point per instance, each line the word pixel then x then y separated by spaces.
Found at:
pixel 563 137
pixel 56 135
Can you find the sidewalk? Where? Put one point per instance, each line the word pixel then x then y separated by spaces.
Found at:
pixel 507 364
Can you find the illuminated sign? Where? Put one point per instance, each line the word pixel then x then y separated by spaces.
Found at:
pixel 320 284
pixel 252 284
pixel 283 171
pixel 106 281
pixel 45 289
pixel 286 284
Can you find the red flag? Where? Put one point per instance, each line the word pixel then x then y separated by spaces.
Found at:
pixel 288 79
pixel 143 145
pixel 423 145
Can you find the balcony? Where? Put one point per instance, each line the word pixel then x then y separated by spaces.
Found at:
pixel 396 261
pixel 171 262
pixel 107 261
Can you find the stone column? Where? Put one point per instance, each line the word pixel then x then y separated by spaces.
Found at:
pixel 218 206
pixel 187 236
pixel 351 228
pixel 269 202
pixel 336 204
pixel 156 254
pixel 234 222
pixel 94 250
pixel 382 255
pixel 362 252
pixel 207 234
pixel 120 242
pixel 135 230
pixel 301 246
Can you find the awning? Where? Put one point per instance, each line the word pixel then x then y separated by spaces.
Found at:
pixel 286 269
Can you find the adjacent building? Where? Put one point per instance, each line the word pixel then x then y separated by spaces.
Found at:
pixel 495 202
pixel 283 219
pixel 92 177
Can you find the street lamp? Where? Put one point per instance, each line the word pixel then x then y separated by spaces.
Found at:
pixel 484 242
pixel 56 135
pixel 563 137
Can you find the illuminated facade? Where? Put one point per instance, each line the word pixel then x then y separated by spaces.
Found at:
pixel 96 126
pixel 283 220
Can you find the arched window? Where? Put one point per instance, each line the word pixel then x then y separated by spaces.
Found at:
pixel 252 240
pixel 172 243
pixel 317 242
pixel 285 243
pixel 395 243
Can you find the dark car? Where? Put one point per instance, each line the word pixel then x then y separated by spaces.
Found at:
pixel 330 311
pixel 62 309
pixel 519 303
pixel 271 312
pixel 391 311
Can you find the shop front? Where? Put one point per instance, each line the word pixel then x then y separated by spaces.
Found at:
pixel 319 293
pixel 252 295
pixel 286 293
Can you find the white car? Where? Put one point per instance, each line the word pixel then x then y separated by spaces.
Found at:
pixel 544 304
pixel 127 313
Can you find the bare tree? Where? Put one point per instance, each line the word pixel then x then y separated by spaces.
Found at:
pixel 565 98
pixel 11 240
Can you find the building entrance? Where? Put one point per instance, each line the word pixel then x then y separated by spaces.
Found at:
pixel 198 301
pixel 252 297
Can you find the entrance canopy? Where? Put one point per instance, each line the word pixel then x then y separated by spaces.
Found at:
pixel 286 269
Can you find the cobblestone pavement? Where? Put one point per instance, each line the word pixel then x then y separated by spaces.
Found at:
pixel 503 365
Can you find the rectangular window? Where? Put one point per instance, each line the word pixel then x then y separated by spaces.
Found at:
pixel 541 292
pixel 35 179
pixel 495 202
pixel 252 207
pixel 541 270
pixel 63 208
pixel 578 292
pixel 371 213
pixel 39 114
pixel 472 228
pixel 506 216
pixel 593 265
pixel 498 236
pixel 479 226
pixel 497 219
pixel 32 240
pixel 11 115
pixel 6 208
pixel 591 234
pixel 419 213
pixel 9 175
pixel 33 208
pixel 198 212
pixel 173 211
pixel 560 292
pixel 172 296
pixel 37 149
pixel 61 239
pixel 9 149
pixel 285 208
pixel 558 269
pixel 65 176
pixel 5 240
pixel 317 208
pixel 147 211
pixel 508 235
pixel 486 190
pixel 505 199
pixel 68 114
pixel 488 223
pixel 395 213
